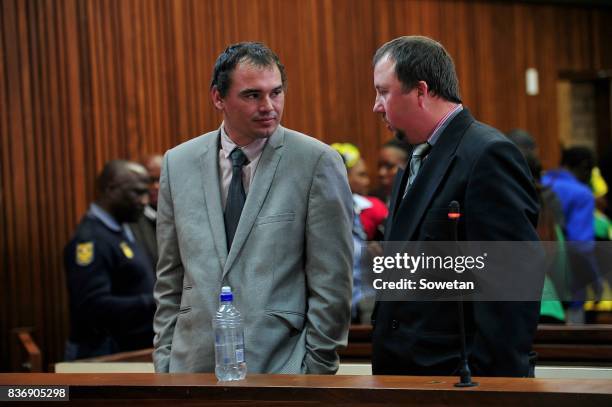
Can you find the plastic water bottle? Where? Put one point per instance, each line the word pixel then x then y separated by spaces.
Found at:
pixel 229 339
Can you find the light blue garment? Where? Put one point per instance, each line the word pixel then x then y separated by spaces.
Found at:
pixel 359 242
pixel 110 222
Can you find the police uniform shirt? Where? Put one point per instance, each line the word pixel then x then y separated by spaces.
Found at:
pixel 110 282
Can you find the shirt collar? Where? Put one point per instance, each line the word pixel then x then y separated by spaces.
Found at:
pixel 104 217
pixel 150 213
pixel 443 123
pixel 252 150
pixel 360 203
pixel 107 219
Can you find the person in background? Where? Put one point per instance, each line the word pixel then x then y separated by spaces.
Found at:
pixel 603 226
pixel 369 215
pixel 110 279
pixel 570 183
pixel 144 228
pixel 372 211
pixel 550 229
pixel 527 144
pixel 604 203
pixel 603 232
pixel 605 167
pixel 393 155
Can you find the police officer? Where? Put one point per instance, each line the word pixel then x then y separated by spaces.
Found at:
pixel 110 279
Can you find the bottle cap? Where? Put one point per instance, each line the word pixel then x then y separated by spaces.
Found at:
pixel 226 294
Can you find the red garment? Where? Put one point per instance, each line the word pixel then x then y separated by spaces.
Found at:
pixel 373 216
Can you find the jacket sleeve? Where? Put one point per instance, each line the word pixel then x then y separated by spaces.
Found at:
pixel 328 264
pixel 169 284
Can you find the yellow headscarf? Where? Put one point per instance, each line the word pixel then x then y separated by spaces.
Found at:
pixel 600 188
pixel 350 154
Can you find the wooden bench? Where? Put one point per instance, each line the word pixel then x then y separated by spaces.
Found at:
pixel 554 343
pixel 587 344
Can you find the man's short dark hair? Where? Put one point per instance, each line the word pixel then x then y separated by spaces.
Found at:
pixel 420 58
pixel 109 174
pixel 577 157
pixel 254 53
pixel 112 170
pixel 523 140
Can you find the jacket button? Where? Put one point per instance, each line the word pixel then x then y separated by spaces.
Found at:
pixel 394 324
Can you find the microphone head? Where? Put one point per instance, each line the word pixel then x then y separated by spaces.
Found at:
pixel 454 211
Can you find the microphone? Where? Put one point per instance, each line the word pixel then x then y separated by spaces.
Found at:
pixel 465 374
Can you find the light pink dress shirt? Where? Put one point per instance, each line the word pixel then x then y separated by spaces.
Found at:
pixel 253 153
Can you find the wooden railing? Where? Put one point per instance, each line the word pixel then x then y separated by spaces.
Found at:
pixel 308 390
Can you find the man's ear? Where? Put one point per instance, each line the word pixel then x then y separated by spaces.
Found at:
pixel 422 88
pixel 112 188
pixel 422 91
pixel 109 194
pixel 216 98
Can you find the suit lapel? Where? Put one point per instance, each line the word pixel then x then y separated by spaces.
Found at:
pixel 264 174
pixel 209 168
pixel 411 209
pixel 399 184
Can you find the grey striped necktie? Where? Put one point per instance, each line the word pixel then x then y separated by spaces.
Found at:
pixel 418 154
pixel 235 196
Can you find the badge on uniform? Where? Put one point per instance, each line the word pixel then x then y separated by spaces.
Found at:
pixel 84 253
pixel 127 250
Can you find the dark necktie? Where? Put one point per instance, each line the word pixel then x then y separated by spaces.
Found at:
pixel 416 161
pixel 235 196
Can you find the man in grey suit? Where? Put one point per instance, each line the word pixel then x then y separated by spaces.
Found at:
pixel 265 210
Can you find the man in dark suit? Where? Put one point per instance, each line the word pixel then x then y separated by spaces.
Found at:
pixel 144 228
pixel 454 158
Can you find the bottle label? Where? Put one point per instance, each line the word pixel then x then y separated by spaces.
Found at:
pixel 239 355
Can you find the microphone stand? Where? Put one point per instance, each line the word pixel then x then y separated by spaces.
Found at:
pixel 465 374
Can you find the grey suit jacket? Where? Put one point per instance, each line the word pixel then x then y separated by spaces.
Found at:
pixel 289 266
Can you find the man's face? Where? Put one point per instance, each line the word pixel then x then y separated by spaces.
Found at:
pixel 129 195
pixel 253 106
pixel 153 167
pixel 358 178
pixel 399 108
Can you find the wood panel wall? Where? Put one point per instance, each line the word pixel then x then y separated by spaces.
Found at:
pixel 82 82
